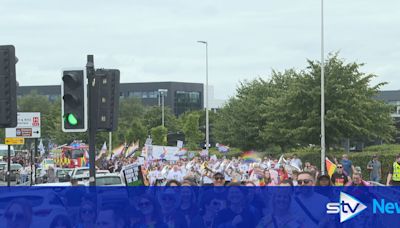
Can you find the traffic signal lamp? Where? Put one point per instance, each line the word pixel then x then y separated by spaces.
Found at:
pixel 74 101
pixel 107 81
pixel 8 87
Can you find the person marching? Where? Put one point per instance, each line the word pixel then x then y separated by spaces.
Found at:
pixel 393 177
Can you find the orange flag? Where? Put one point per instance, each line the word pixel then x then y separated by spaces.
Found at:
pixel 330 167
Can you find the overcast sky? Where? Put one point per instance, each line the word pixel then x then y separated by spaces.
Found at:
pixel 152 40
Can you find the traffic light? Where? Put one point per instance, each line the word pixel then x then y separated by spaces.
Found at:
pixel 8 87
pixel 74 101
pixel 107 81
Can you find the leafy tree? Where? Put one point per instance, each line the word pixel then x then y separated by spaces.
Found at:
pixel 130 122
pixel 159 135
pixel 241 120
pixel 193 136
pixel 202 122
pixel 154 118
pixel 2 135
pixel 285 110
pixel 351 110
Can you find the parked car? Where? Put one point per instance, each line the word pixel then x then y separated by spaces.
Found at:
pixel 82 174
pixel 64 174
pixel 61 184
pixel 14 172
pixel 108 179
pixel 2 165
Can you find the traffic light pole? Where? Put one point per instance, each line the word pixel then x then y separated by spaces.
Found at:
pixel 8 165
pixel 34 157
pixel 92 97
pixel 32 168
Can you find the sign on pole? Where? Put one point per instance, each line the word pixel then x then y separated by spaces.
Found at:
pixel 14 141
pixel 28 126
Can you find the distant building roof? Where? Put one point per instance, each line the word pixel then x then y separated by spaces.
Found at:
pixel 389 95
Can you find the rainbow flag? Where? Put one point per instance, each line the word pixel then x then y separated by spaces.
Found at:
pixel 82 161
pixel 330 167
pixel 250 157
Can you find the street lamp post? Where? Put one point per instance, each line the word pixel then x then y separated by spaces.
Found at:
pixel 162 94
pixel 206 91
pixel 322 92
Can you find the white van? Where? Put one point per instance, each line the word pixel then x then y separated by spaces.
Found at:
pixel 4 150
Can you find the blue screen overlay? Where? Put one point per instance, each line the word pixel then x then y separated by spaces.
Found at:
pixel 208 207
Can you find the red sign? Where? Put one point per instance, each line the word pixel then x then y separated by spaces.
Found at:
pixel 35 121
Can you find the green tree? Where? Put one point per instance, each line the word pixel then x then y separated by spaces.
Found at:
pixel 154 118
pixel 130 122
pixel 285 109
pixel 193 136
pixel 159 135
pixel 275 108
pixel 2 136
pixel 351 110
pixel 241 120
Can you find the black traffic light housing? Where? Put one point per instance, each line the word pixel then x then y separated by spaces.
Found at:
pixel 74 101
pixel 8 87
pixel 107 85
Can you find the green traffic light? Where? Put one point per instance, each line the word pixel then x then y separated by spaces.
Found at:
pixel 72 120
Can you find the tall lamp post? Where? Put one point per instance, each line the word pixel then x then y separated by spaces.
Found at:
pixel 322 92
pixel 162 93
pixel 206 91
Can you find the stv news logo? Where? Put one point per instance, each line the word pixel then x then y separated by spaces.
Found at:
pixel 348 207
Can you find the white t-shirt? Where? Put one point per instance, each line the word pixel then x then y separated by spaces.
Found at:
pixel 153 176
pixel 207 180
pixel 172 175
pixel 227 177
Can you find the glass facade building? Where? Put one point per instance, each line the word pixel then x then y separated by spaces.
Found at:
pixel 180 96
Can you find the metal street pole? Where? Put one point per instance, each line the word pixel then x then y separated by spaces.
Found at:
pixel 206 91
pixel 8 165
pixel 110 142
pixel 159 99
pixel 162 109
pixel 162 92
pixel 32 168
pixel 93 118
pixel 35 157
pixel 322 92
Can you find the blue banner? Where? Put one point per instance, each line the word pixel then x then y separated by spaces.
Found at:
pixel 208 207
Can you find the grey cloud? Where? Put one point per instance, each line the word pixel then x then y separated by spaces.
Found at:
pixel 156 40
